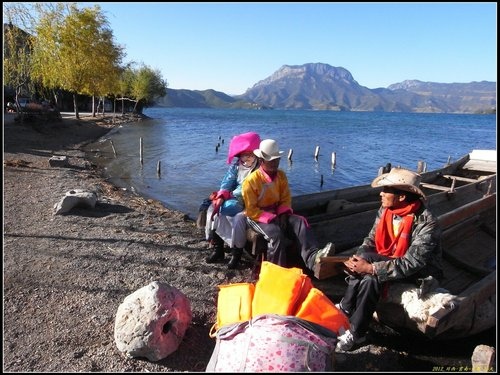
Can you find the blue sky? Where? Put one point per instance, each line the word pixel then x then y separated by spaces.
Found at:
pixel 229 47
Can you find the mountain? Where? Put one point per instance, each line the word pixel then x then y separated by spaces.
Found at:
pixel 461 97
pixel 318 86
pixel 203 99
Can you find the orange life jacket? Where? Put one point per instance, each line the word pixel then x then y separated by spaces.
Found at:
pixel 279 290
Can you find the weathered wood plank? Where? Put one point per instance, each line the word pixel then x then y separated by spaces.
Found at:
pixel 460 178
pixel 473 208
pixel 330 266
pixel 435 187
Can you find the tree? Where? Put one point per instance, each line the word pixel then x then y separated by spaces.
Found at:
pixel 124 90
pixel 147 85
pixel 75 51
pixel 17 57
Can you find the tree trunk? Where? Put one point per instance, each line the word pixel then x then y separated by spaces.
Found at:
pixel 93 105
pixel 75 105
pixel 56 99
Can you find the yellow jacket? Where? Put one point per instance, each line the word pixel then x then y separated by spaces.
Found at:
pixel 266 198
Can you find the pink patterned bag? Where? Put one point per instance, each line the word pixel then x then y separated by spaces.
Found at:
pixel 273 343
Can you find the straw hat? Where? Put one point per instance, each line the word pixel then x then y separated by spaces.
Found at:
pixel 268 150
pixel 241 143
pixel 401 179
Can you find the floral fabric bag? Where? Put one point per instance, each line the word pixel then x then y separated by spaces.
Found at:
pixel 273 343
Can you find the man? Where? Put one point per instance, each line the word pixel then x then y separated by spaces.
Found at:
pixel 403 245
pixel 268 207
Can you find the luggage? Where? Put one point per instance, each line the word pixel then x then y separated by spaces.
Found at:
pixel 281 324
pixel 273 343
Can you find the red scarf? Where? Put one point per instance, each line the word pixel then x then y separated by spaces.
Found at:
pixel 386 243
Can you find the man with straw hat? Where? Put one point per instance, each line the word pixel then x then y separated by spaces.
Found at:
pixel 403 245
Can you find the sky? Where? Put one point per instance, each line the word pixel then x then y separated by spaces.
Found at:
pixel 229 47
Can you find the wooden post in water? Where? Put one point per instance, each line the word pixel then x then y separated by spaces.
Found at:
pixel 113 147
pixel 158 168
pixel 290 153
pixel 140 150
pixel 321 181
pixel 334 161
pixel 316 153
pixel 421 166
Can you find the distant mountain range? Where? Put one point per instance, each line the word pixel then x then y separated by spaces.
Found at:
pixel 318 86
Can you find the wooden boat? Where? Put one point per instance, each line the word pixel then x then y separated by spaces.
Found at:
pixel 464 199
pixel 345 216
pixel 471 167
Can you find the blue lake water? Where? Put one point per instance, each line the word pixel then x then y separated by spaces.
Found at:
pixel 184 142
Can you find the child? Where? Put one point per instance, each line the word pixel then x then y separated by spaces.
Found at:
pixel 225 219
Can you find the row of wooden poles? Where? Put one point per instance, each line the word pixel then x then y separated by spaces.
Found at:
pixel 141 155
pixel 290 153
pixel 421 166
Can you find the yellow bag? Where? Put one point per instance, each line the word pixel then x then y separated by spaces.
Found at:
pixel 277 290
pixel 234 305
pixel 318 308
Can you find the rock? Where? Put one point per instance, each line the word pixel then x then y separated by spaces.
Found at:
pixel 152 321
pixel 75 198
pixel 483 359
pixel 58 161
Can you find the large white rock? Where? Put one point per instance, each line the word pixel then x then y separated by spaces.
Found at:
pixel 152 321
pixel 75 198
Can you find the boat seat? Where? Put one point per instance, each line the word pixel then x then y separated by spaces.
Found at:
pixel 435 187
pixel 450 189
pixel 459 178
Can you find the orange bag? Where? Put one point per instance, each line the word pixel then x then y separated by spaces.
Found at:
pixel 277 290
pixel 234 305
pixel 318 308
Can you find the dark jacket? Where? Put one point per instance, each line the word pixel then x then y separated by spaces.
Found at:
pixel 423 257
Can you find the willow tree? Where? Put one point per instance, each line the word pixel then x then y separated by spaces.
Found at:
pixel 147 85
pixel 17 56
pixel 75 51
pixel 124 89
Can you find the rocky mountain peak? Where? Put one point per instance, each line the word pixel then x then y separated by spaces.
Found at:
pixel 406 85
pixel 313 70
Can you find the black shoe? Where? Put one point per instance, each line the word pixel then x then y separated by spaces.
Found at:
pixel 217 246
pixel 216 256
pixel 235 258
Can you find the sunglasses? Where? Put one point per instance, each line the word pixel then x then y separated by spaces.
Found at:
pixel 391 190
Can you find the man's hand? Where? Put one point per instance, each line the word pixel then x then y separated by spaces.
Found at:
pixel 358 265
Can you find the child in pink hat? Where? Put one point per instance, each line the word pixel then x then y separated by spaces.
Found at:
pixel 225 219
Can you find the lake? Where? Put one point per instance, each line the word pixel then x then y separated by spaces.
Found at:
pixel 189 147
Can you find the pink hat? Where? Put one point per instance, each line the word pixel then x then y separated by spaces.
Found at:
pixel 241 143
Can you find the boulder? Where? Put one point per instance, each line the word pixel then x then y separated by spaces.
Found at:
pixel 152 321
pixel 75 198
pixel 58 161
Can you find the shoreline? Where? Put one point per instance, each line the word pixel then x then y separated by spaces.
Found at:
pixel 66 275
